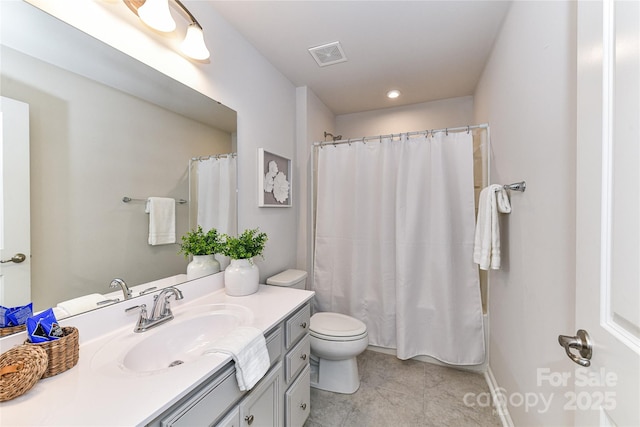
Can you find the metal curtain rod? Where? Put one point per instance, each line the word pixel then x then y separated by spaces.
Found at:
pixel 128 199
pixel 393 135
pixel 213 156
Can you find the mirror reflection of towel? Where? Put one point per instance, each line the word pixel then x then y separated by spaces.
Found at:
pixel 78 305
pixel 162 220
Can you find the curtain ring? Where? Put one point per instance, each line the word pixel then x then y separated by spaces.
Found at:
pixel 468 128
pixel 446 131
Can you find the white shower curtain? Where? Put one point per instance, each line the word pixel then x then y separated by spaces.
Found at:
pixel 394 244
pixel 216 184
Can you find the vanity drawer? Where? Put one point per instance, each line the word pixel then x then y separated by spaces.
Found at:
pixel 297 325
pixel 203 407
pixel 231 420
pixel 274 345
pixel 298 400
pixel 297 359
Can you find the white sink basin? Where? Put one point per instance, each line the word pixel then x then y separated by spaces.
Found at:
pixel 179 341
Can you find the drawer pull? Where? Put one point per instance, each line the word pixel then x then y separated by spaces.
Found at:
pixel 303 325
pixel 303 406
pixel 303 356
pixel 249 419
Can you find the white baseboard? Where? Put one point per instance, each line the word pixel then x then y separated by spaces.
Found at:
pixel 498 399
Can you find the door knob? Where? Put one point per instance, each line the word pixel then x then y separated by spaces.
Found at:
pixel 582 343
pixel 17 258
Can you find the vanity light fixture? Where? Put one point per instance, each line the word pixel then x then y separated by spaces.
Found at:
pixel 156 14
pixel 393 94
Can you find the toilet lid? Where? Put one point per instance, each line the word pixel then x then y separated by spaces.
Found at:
pixel 336 325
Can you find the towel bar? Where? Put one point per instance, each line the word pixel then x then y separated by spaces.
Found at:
pixel 127 199
pixel 516 186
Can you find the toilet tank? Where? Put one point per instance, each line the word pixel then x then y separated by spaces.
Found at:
pixel 289 278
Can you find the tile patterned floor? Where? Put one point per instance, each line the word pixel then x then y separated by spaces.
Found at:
pixel 397 393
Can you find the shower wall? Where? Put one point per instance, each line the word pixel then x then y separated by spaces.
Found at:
pixel 427 115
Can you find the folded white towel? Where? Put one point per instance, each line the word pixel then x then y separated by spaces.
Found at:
pixel 81 304
pixel 60 312
pixel 486 250
pixel 162 220
pixel 248 348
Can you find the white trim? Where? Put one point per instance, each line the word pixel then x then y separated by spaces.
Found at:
pixel 499 402
pixel 607 320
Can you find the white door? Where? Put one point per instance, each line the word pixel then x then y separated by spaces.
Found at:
pixel 608 213
pixel 15 239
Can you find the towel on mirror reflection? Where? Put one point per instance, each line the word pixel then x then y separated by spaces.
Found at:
pixel 248 348
pixel 486 249
pixel 162 220
pixel 79 305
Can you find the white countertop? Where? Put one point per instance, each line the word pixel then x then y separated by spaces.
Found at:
pixel 87 395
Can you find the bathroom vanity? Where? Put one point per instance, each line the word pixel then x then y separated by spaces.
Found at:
pixel 122 378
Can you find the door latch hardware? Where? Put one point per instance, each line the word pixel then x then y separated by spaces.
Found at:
pixel 582 343
pixel 17 258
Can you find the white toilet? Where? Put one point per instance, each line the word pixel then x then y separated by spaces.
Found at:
pixel 336 340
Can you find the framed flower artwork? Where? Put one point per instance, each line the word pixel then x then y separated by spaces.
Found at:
pixel 274 180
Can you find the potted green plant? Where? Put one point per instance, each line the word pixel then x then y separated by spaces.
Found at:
pixel 242 276
pixel 203 247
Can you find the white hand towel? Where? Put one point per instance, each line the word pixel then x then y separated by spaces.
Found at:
pixel 248 348
pixel 81 304
pixel 486 250
pixel 502 200
pixel 162 220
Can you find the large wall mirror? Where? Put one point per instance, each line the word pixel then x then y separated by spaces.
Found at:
pixel 96 137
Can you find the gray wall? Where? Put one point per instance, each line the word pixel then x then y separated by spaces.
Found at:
pixel 527 94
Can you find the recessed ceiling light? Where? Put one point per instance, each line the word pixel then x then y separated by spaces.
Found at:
pixel 393 94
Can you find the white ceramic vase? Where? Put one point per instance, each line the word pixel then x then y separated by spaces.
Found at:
pixel 202 265
pixel 241 277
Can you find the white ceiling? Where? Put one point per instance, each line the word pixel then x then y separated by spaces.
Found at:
pixel 428 50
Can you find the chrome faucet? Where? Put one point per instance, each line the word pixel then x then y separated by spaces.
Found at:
pixel 161 311
pixel 125 289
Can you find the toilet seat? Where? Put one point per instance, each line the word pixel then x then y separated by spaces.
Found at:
pixel 336 327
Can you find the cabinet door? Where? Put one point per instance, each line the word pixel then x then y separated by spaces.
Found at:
pixel 298 400
pixel 261 407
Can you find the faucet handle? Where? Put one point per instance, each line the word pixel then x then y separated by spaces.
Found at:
pixel 142 320
pixel 142 307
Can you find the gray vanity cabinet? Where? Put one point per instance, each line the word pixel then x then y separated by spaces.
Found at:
pixel 297 371
pixel 280 399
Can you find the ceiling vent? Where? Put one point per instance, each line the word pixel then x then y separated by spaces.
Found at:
pixel 328 54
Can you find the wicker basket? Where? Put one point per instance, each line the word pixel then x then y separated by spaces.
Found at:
pixel 21 368
pixel 63 353
pixel 9 330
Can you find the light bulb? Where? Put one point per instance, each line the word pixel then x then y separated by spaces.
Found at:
pixel 193 45
pixel 156 14
pixel 393 94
